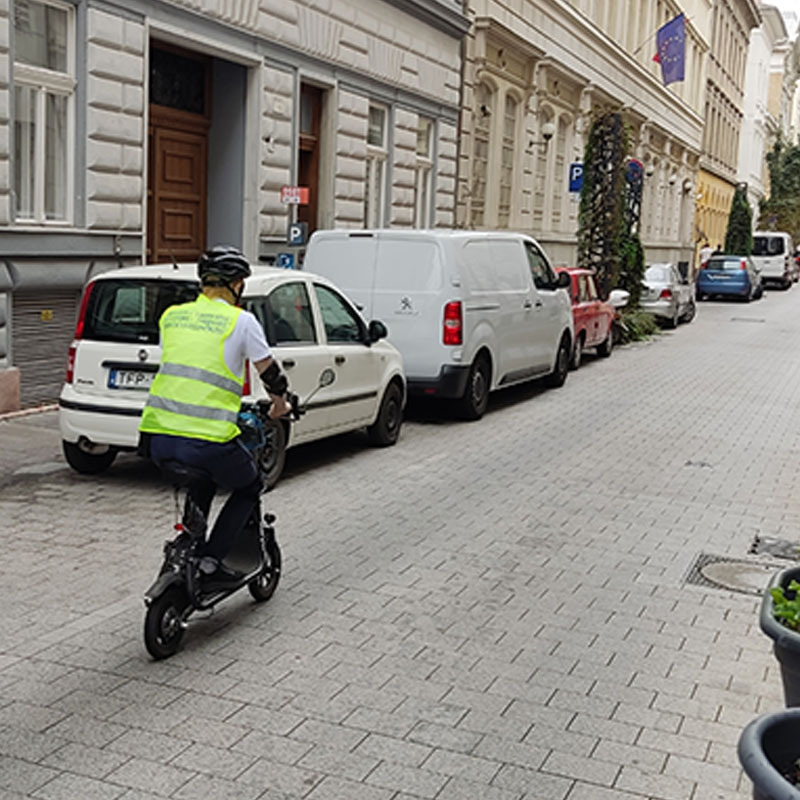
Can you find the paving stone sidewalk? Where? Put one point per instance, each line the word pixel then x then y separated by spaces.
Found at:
pixel 495 610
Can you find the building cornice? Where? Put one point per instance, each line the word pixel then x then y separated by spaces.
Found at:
pixel 442 14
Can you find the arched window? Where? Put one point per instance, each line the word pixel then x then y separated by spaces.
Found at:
pixel 507 160
pixel 540 176
pixel 482 117
pixel 560 169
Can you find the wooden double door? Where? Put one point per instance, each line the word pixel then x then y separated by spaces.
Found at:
pixel 177 156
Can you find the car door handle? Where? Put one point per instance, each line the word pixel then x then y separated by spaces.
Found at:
pixel 340 359
pixel 538 304
pixel 527 304
pixel 288 363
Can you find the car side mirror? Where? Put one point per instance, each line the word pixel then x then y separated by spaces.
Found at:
pixel 563 281
pixel 377 330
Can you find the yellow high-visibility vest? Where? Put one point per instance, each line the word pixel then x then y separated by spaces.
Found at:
pixel 194 393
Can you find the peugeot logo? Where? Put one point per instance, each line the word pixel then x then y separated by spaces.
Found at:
pixel 405 304
pixel 142 355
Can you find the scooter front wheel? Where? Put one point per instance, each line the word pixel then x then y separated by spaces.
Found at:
pixel 163 623
pixel 264 586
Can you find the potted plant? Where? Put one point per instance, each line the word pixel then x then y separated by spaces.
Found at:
pixel 769 752
pixel 780 620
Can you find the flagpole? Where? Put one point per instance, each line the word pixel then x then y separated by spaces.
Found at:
pixel 653 36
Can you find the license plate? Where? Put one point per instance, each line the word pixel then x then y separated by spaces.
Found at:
pixel 130 379
pixel 721 277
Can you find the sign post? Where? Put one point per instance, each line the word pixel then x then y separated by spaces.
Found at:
pixel 575 176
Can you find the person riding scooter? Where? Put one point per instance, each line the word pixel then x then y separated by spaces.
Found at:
pixel 191 410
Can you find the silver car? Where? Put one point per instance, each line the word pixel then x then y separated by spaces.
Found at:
pixel 667 295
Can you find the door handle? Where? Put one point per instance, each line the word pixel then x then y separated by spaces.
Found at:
pixel 288 363
pixel 538 304
pixel 527 304
pixel 340 359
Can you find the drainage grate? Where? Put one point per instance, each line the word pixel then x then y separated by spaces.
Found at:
pixel 732 574
pixel 780 548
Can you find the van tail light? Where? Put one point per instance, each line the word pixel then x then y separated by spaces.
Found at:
pixel 87 293
pixel 666 294
pixel 743 265
pixel 246 387
pixel 70 376
pixel 452 330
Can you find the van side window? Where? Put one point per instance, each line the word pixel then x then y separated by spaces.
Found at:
pixel 583 291
pixel 592 287
pixel 289 310
pixel 541 272
pixel 341 323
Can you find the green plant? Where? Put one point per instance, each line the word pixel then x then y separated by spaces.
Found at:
pixel 786 605
pixel 631 268
pixel 636 325
pixel 781 210
pixel 739 236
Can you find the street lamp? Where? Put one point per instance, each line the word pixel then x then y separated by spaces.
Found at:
pixel 548 131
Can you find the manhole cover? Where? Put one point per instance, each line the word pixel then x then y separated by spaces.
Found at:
pixel 735 575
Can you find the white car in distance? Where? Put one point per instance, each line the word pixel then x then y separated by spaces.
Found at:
pixel 310 325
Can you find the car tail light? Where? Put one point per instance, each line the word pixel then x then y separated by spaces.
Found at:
pixel 743 265
pixel 69 377
pixel 452 328
pixel 246 387
pixel 666 294
pixel 87 293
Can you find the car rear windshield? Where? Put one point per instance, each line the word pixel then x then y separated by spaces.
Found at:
pixel 657 274
pixel 129 310
pixel 767 245
pixel 734 262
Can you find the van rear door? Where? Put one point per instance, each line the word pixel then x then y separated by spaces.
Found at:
pixel 347 259
pixel 770 256
pixel 409 295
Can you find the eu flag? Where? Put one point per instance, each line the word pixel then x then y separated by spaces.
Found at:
pixel 671 41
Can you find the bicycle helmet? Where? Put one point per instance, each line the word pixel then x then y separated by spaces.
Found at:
pixel 223 263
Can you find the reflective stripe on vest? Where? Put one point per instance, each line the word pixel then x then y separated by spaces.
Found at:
pixel 194 393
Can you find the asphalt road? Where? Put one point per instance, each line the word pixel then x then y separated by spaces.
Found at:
pixel 495 610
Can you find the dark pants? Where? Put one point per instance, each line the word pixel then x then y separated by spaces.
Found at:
pixel 231 467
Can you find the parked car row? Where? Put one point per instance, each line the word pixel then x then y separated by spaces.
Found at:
pixel 469 313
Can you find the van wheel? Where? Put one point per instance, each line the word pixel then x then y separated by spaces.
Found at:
pixel 386 428
pixel 273 457
pixel 473 404
pixel 577 354
pixel 559 374
pixel 86 462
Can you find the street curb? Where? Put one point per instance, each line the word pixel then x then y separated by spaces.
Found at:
pixel 27 412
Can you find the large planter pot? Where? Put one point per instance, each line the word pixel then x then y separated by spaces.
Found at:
pixel 769 746
pixel 787 642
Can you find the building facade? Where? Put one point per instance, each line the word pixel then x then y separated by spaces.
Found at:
pixel 762 115
pixel 530 65
pixel 732 21
pixel 146 130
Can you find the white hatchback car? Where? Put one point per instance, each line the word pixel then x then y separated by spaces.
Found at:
pixel 311 326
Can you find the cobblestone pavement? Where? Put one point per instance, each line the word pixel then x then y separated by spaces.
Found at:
pixel 495 610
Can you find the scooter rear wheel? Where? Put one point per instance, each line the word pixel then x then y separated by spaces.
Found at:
pixel 163 623
pixel 264 586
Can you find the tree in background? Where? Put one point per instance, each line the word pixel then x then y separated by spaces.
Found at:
pixel 601 217
pixel 781 210
pixel 739 236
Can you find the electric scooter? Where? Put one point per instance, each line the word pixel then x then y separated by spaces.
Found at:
pixel 178 590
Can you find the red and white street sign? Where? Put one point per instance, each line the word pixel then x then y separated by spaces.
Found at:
pixel 294 195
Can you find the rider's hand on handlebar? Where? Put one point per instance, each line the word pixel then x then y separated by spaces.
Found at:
pixel 280 406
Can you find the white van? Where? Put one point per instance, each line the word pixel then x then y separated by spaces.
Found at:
pixel 469 311
pixel 773 253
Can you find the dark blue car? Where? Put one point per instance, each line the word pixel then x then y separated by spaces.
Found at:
pixel 733 276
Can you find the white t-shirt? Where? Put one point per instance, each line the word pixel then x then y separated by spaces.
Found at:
pixel 246 341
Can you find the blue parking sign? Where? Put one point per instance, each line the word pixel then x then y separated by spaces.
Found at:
pixel 286 260
pixel 575 176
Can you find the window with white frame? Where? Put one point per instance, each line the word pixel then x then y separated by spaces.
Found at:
pixel 484 99
pixel 44 87
pixel 507 160
pixel 375 194
pixel 424 173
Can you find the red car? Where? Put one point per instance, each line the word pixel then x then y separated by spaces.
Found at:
pixel 591 315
